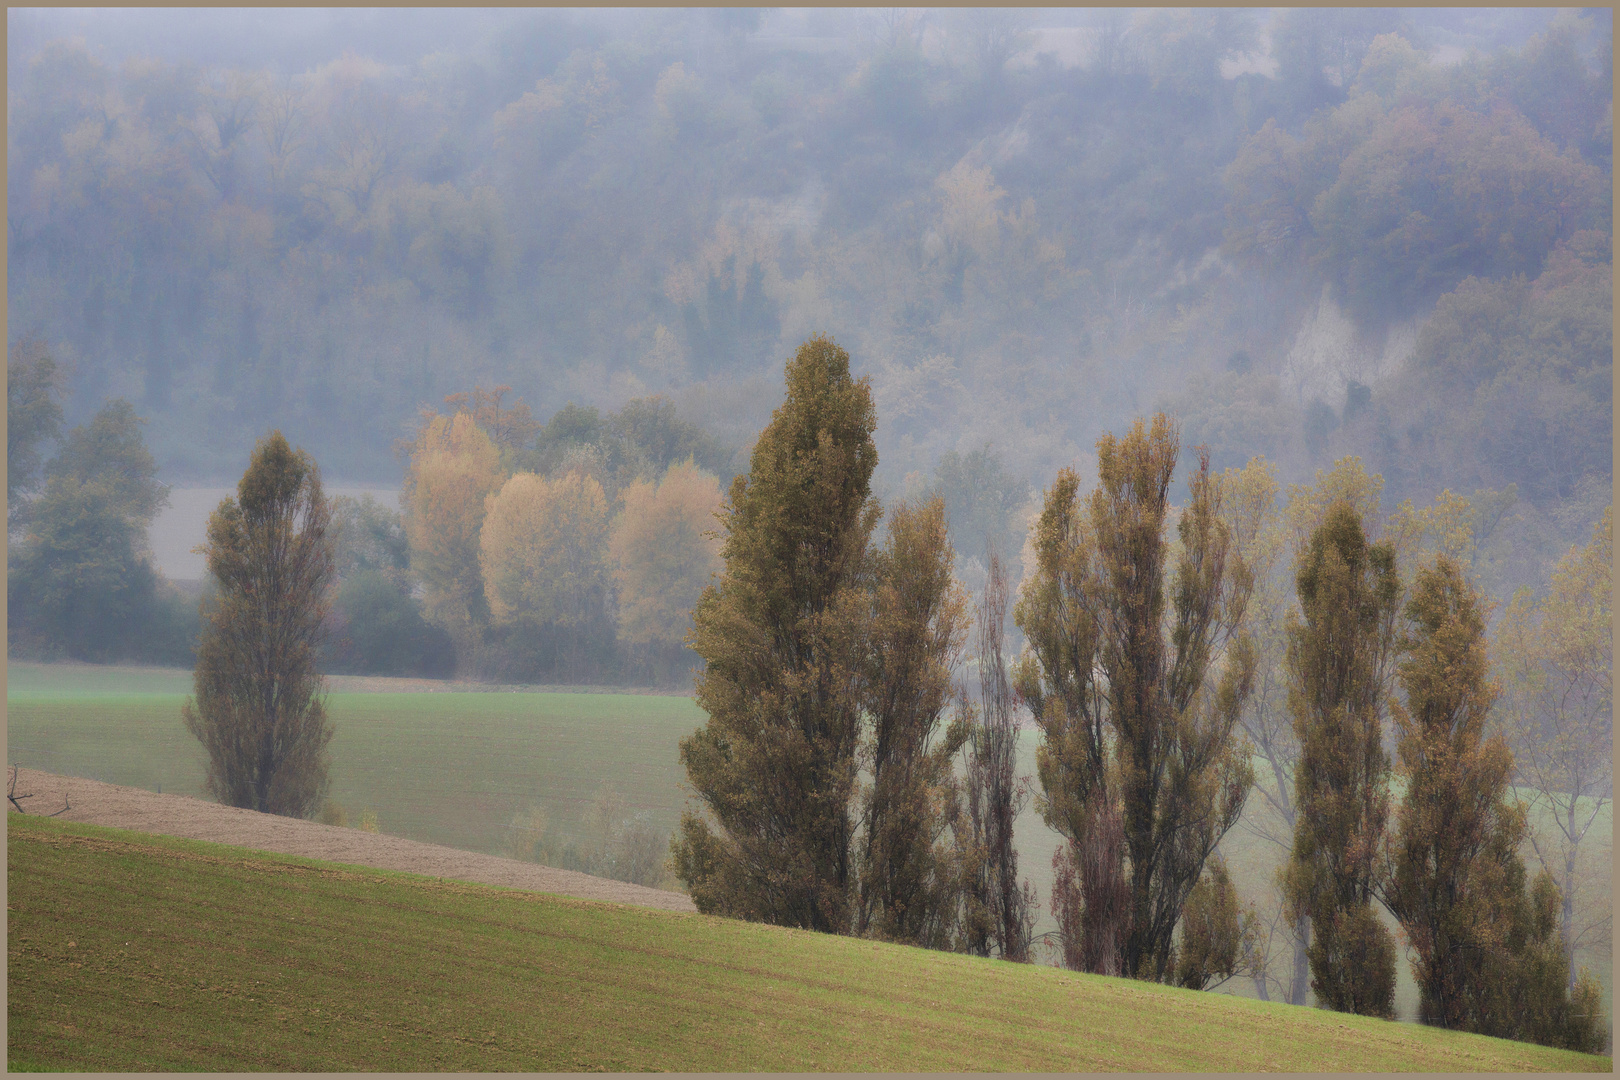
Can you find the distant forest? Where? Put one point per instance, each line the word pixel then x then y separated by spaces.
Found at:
pixel 1306 233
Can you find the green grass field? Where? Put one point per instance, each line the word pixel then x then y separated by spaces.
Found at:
pixel 141 953
pixel 454 767
pixel 449 768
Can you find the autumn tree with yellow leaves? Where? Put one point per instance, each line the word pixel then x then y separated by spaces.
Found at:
pixel 661 553
pixel 454 467
pixel 541 553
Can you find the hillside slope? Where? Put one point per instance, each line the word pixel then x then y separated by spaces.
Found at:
pixel 116 806
pixel 128 951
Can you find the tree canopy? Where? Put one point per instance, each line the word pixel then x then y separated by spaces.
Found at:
pixel 1122 677
pixel 781 636
pixel 258 704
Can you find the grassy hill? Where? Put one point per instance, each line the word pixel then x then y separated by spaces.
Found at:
pixel 455 767
pixel 134 952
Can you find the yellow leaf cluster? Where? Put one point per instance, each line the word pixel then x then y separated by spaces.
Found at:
pixel 1348 481
pixel 541 549
pixel 663 551
pixel 1556 657
pixel 1444 529
pixel 453 469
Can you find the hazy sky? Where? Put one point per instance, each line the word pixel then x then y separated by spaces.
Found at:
pixel 289 38
pixel 294 39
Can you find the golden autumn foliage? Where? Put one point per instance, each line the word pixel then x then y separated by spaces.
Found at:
pixel 510 430
pixel 1347 482
pixel 662 552
pixel 454 467
pixel 541 550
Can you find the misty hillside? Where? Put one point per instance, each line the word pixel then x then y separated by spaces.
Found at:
pixel 1308 233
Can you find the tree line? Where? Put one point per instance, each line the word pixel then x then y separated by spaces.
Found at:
pixel 538 547
pixel 80 579
pixel 569 551
pixel 572 550
pixel 827 801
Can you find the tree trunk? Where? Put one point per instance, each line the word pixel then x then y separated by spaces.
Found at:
pixel 1302 962
pixel 1566 927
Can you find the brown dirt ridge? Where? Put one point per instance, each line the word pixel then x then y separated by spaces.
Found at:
pixel 96 803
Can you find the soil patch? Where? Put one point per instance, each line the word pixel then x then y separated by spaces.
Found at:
pixel 96 803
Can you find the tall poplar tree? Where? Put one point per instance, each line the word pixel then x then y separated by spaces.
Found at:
pixel 1137 678
pixel 782 633
pixel 1455 862
pixel 259 708
pixel 1338 660
pixel 1485 950
pixel 908 873
pixel 999 915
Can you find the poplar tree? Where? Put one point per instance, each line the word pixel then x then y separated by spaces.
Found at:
pixel 1556 656
pixel 1120 681
pixel 1486 954
pixel 1338 657
pixel 908 871
pixel 782 633
pixel 999 915
pixel 1455 866
pixel 258 706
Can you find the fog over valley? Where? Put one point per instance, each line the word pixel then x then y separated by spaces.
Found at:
pixel 941 330
pixel 1027 227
